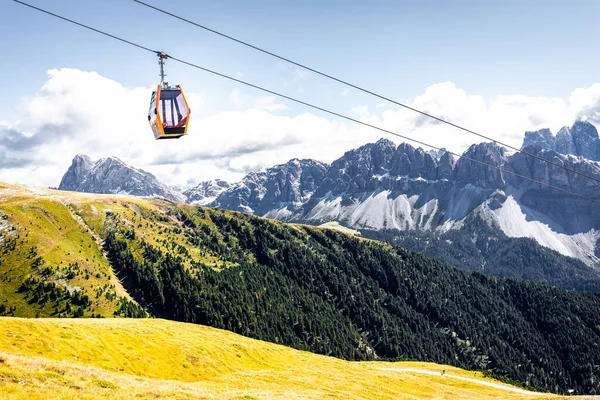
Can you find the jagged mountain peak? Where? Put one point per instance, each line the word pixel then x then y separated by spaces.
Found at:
pixel 383 142
pixel 278 191
pixel 486 148
pixel 206 192
pixel 110 160
pixel 111 175
pixel 381 145
pixel 582 124
pixel 542 138
pixel 437 154
pixel 581 139
pixel 221 183
pixel 487 176
pixel 77 172
pixel 406 148
pixel 82 157
pixel 585 140
pixel 413 162
pixel 296 163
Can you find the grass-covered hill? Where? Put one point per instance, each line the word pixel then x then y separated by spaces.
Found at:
pixel 51 261
pixel 312 289
pixel 152 358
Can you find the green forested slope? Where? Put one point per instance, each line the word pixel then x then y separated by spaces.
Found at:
pixel 477 246
pixel 334 294
pixel 305 287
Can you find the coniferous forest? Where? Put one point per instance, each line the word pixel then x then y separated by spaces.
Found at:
pixel 476 246
pixel 333 294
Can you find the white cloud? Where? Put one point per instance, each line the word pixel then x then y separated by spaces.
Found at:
pixel 359 112
pixel 83 112
pixel 242 101
pixel 293 76
pixel 236 98
pixel 504 118
pixel 587 102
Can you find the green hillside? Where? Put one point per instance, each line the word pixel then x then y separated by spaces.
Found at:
pixel 51 262
pixel 308 288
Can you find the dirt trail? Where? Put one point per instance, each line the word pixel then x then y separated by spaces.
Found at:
pixel 463 378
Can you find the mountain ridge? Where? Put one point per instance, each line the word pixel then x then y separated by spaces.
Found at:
pixel 381 186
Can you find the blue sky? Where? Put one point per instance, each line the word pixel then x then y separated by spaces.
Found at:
pixel 395 47
pixel 398 48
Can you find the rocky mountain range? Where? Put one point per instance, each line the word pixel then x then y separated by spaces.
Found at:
pixel 280 192
pixel 381 186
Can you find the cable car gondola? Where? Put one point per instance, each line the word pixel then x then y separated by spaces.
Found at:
pixel 169 113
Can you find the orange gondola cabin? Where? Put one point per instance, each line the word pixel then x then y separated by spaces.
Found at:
pixel 169 113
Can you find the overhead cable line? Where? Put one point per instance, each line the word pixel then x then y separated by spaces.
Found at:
pixel 315 106
pixel 85 26
pixel 364 90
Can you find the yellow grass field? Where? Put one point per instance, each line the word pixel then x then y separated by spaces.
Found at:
pixel 153 358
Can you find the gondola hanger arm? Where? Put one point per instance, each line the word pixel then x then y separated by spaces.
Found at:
pixel 162 56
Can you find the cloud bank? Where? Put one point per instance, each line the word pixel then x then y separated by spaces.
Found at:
pixel 82 112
